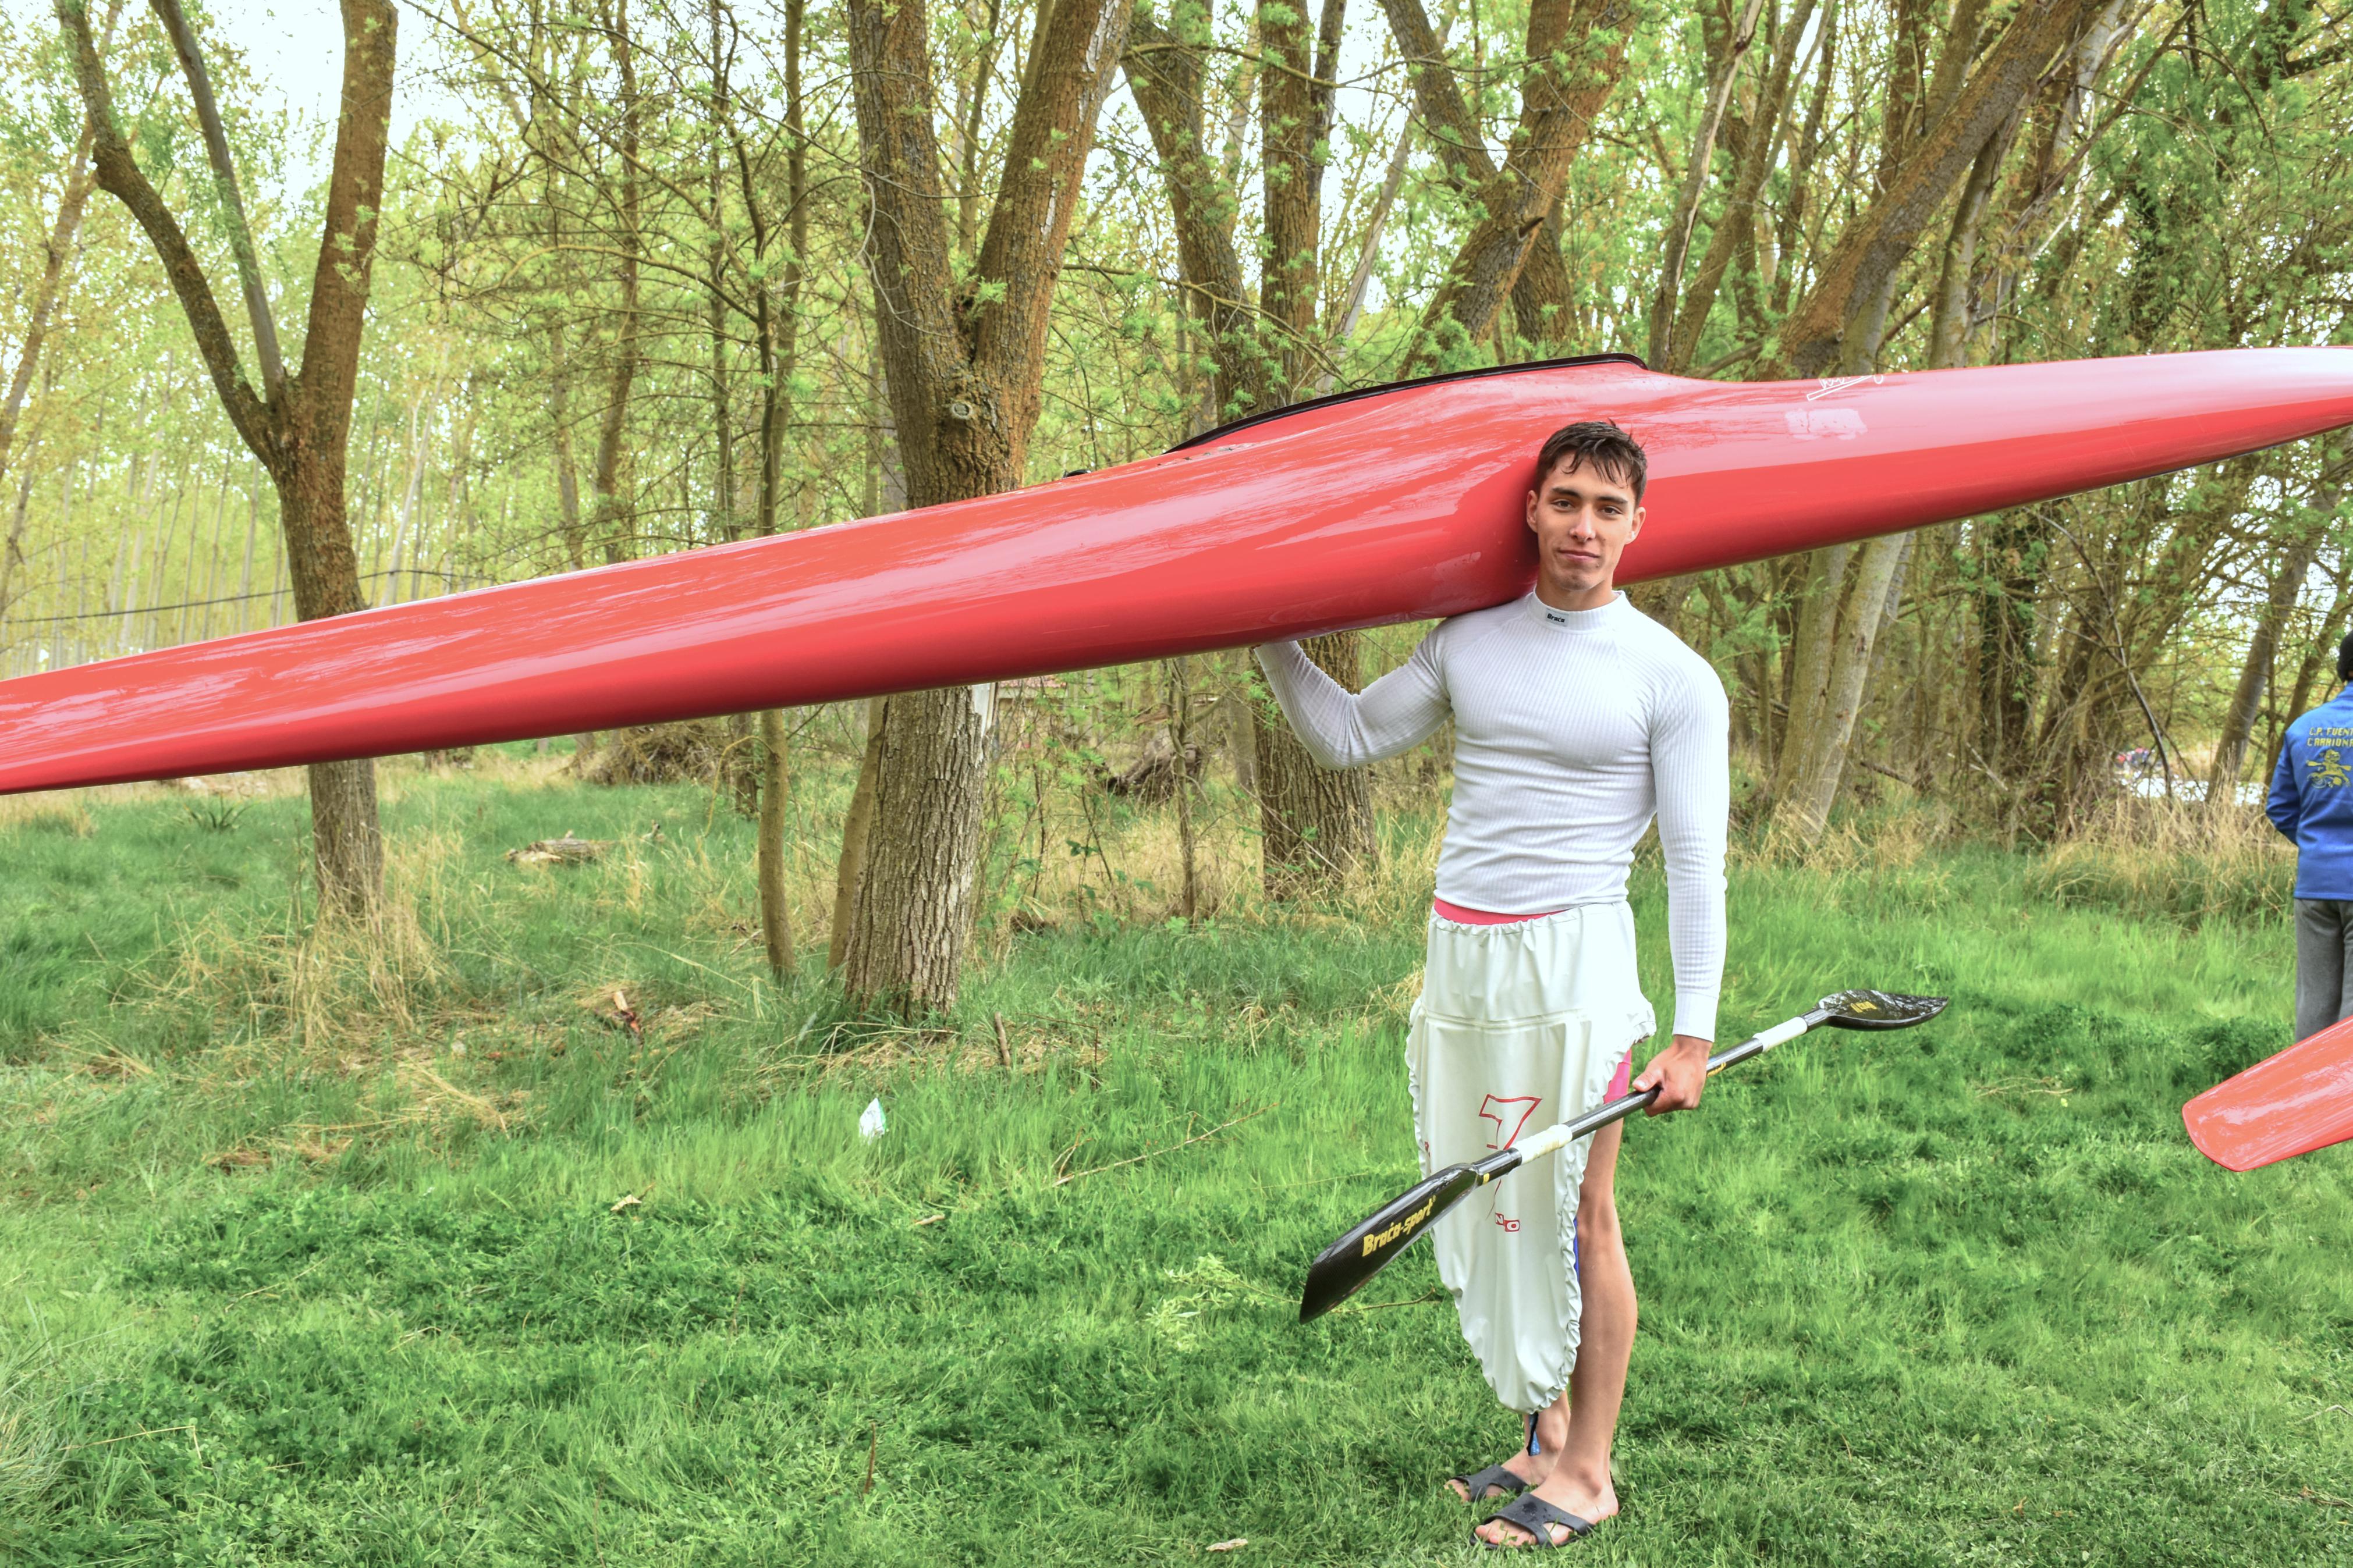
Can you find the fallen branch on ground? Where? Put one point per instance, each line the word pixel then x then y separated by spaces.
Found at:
pixel 1149 1153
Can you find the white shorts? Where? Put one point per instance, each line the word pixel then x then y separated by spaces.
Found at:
pixel 1519 1027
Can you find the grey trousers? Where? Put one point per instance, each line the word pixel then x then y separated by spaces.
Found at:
pixel 2324 964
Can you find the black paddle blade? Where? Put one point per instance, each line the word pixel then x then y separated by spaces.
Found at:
pixel 1880 1009
pixel 1342 1268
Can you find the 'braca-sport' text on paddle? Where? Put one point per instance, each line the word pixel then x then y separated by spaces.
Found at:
pixel 1400 503
pixel 2286 1105
pixel 1342 1268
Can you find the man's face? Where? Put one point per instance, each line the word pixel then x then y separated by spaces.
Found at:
pixel 1582 520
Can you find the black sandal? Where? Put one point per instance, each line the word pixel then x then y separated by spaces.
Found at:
pixel 1501 1477
pixel 1536 1517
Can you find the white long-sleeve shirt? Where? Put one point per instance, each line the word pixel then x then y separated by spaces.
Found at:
pixel 1572 727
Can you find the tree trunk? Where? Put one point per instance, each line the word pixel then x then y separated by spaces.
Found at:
pixel 1806 664
pixel 913 915
pixel 1317 822
pixel 849 871
pixel 1696 181
pixel 966 356
pixel 347 839
pixel 1737 223
pixel 2307 670
pixel 775 912
pixel 298 426
pixel 2255 673
pixel 1838 324
pixel 12 553
pixel 779 327
pixel 1316 825
pixel 1804 803
pixel 1180 707
pixel 1576 52
pixel 60 248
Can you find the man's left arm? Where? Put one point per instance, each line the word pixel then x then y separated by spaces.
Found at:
pixel 1690 772
pixel 2284 806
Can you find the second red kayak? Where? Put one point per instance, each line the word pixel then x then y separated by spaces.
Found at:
pixel 2286 1105
pixel 1399 504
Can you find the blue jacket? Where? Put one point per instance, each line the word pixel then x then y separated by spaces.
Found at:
pixel 2312 798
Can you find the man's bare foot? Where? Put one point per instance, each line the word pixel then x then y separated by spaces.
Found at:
pixel 1577 1494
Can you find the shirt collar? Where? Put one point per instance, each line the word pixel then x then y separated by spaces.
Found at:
pixel 1575 620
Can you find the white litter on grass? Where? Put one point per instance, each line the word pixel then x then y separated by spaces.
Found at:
pixel 870 1124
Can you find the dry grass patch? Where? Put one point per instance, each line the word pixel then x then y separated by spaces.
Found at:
pixel 338 987
pixel 2179 860
pixel 63 812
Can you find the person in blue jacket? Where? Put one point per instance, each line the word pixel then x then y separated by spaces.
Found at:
pixel 2311 803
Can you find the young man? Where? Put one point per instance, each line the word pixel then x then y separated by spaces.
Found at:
pixel 1577 719
pixel 2311 803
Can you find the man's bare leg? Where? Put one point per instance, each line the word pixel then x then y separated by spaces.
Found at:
pixel 1575 1433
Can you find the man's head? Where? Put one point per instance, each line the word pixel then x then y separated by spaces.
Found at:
pixel 2344 658
pixel 1585 506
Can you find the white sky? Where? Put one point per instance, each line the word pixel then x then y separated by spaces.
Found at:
pixel 295 49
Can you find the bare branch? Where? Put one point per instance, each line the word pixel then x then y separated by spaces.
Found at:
pixel 119 176
pixel 240 232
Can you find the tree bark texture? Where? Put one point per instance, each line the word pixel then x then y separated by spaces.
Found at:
pixel 779 339
pixel 776 908
pixel 966 360
pixel 1742 34
pixel 1317 821
pixel 849 871
pixel 1167 71
pixel 2010 571
pixel 301 429
pixel 2254 674
pixel 913 916
pixel 1314 824
pixel 1848 594
pixel 615 520
pixel 1837 326
pixel 56 252
pixel 1575 53
pixel 1738 217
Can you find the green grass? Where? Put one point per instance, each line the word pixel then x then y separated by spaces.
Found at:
pixel 1960 1295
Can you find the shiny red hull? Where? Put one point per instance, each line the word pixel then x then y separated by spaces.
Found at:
pixel 2290 1104
pixel 1399 504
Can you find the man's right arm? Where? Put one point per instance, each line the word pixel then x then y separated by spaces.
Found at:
pixel 2285 807
pixel 1342 729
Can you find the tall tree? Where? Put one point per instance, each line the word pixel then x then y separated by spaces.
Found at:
pixel 1841 324
pixel 297 423
pixel 1575 53
pixel 966 357
pixel 1316 823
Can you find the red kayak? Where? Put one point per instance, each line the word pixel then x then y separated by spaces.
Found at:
pixel 2291 1104
pixel 1396 504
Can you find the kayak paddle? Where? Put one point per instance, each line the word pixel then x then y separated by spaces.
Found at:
pixel 1344 1267
pixel 2290 1104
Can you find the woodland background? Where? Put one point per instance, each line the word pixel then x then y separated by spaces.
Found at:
pixel 457 1158
pixel 643 277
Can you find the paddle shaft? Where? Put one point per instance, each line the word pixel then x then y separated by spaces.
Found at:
pixel 1561 1135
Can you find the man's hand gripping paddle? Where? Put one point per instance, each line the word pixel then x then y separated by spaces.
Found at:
pixel 1344 1267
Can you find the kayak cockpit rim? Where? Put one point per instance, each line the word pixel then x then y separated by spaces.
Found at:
pixel 1235 426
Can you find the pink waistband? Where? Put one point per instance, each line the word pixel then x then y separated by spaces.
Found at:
pixel 1461 916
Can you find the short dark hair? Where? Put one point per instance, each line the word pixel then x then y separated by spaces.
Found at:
pixel 2344 658
pixel 1601 446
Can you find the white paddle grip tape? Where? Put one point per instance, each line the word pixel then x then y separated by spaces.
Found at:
pixel 1536 1145
pixel 1779 1032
